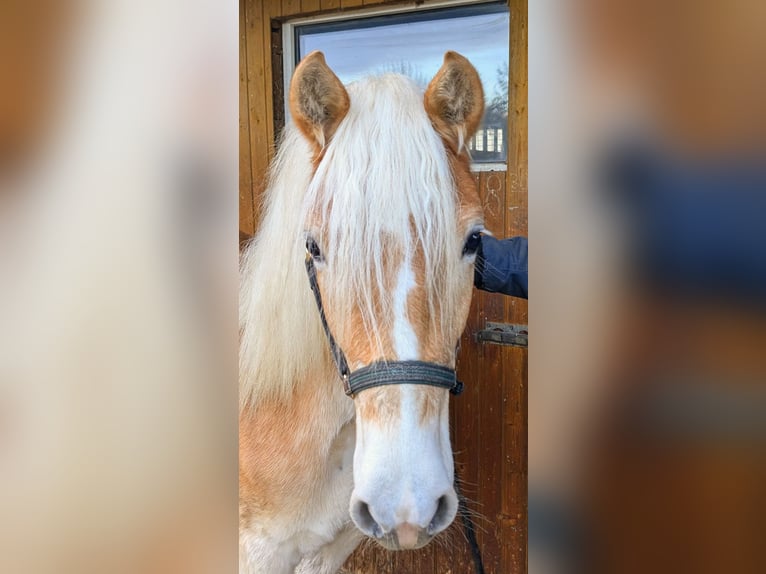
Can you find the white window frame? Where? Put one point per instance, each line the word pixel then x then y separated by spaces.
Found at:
pixel 288 46
pixel 491 139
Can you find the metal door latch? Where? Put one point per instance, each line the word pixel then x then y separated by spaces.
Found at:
pixel 504 334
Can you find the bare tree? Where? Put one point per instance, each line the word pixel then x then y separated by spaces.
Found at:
pixel 498 105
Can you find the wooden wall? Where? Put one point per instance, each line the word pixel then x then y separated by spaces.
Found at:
pixel 489 420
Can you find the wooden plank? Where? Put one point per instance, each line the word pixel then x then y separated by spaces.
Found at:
pixel 351 3
pixel 467 430
pixel 382 562
pixel 513 520
pixel 256 106
pixel 271 10
pixel 455 557
pixel 518 135
pixel 246 211
pixel 423 560
pixel 467 424
pixel 489 447
pixel 408 562
pixel 277 79
pixel 329 4
pixel 360 560
pixel 291 7
pixel 308 6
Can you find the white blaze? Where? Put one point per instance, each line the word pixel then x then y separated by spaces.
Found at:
pixel 405 341
pixel 403 468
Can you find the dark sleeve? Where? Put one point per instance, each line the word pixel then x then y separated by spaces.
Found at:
pixel 501 266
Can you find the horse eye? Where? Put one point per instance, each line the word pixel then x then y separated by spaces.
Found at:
pixel 313 249
pixel 472 243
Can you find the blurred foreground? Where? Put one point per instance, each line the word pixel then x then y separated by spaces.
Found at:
pixel 118 286
pixel 647 408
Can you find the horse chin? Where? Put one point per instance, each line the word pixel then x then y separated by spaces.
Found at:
pixel 390 542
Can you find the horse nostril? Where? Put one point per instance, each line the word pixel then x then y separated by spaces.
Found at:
pixel 362 517
pixel 446 508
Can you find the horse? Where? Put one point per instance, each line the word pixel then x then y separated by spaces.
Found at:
pixel 360 274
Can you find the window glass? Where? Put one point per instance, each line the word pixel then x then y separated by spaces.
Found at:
pixel 414 44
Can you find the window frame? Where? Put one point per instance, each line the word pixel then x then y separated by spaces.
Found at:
pixel 289 45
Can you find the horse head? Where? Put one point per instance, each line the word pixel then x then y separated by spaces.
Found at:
pixel 391 220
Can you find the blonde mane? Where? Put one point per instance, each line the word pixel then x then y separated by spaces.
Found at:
pixel 383 185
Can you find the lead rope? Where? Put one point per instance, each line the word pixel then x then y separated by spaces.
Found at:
pixel 470 530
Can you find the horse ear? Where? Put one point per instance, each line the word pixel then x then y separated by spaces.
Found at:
pixel 318 100
pixel 454 100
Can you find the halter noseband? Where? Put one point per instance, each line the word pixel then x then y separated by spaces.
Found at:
pixel 383 372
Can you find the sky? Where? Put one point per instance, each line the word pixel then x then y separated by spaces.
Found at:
pixel 483 39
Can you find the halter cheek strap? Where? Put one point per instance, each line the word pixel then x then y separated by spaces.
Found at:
pixel 337 353
pixel 383 372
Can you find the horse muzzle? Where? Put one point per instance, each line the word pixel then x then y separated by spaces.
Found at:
pixel 404 535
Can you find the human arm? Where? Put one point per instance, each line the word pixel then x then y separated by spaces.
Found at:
pixel 501 266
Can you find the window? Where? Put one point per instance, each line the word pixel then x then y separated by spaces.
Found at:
pixel 479 140
pixel 413 42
